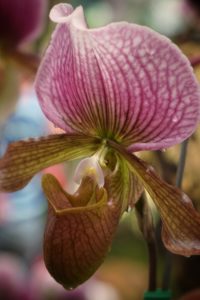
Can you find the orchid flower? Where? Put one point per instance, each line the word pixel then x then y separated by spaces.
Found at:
pixel 20 21
pixel 114 90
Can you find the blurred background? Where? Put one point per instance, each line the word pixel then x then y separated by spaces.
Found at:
pixel 124 274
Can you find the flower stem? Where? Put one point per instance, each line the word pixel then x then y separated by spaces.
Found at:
pixel 181 165
pixel 152 252
pixel 145 222
pixel 179 178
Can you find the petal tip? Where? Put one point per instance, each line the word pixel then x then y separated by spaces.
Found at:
pixel 60 13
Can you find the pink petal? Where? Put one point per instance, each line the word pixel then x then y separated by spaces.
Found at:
pixel 21 19
pixel 122 81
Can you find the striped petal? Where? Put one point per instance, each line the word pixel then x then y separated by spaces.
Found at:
pixel 122 81
pixel 20 20
pixel 24 159
pixel 181 222
pixel 79 230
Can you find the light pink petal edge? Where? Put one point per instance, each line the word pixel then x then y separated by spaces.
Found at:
pixel 122 81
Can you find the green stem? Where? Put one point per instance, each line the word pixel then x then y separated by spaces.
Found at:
pixel 179 178
pixel 181 165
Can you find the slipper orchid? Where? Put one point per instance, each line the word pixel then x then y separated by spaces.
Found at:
pixel 20 21
pixel 114 90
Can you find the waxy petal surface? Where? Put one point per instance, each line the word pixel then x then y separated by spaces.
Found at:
pixel 77 238
pixel 24 159
pixel 181 222
pixel 20 20
pixel 123 186
pixel 121 81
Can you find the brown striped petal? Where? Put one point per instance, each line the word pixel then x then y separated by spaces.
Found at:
pixel 79 230
pixel 181 222
pixel 24 159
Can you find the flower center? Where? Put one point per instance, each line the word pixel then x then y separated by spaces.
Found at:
pixel 100 165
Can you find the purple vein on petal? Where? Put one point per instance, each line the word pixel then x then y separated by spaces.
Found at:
pixel 122 81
